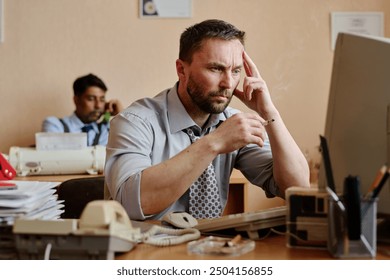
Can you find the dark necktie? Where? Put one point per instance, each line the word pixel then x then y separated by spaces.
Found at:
pixel 85 129
pixel 204 193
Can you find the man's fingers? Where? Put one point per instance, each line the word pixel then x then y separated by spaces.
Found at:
pixel 249 128
pixel 250 67
pixel 250 85
pixel 247 68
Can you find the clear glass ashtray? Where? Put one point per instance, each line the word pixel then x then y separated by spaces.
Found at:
pixel 221 246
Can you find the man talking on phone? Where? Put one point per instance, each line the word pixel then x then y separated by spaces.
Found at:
pixel 92 112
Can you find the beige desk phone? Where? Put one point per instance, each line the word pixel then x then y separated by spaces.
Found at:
pixel 103 229
pixel 100 218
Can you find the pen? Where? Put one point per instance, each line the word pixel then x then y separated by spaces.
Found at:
pixel 268 122
pixel 336 198
pixel 382 182
pixel 375 192
pixel 376 181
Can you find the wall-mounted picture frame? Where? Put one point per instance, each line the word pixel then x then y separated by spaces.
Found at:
pixel 165 8
pixel 364 23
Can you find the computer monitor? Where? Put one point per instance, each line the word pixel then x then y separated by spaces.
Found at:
pixel 358 117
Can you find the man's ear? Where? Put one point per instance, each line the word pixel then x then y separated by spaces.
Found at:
pixel 76 99
pixel 180 68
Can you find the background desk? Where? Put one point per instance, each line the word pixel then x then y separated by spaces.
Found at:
pixel 245 197
pixel 54 178
pixel 272 248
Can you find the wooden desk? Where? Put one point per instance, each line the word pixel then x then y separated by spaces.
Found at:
pixel 272 248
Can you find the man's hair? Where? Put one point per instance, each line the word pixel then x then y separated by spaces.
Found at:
pixel 81 84
pixel 192 38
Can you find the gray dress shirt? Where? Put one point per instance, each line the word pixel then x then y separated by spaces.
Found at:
pixel 150 131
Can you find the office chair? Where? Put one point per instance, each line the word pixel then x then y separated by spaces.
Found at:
pixel 76 193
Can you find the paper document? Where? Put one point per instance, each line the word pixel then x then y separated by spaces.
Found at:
pixel 30 200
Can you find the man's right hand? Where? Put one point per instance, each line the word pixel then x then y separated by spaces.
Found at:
pixel 237 131
pixel 113 106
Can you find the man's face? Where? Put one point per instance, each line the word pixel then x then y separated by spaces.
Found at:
pixel 214 74
pixel 90 105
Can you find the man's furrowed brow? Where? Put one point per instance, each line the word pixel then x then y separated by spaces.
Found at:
pixel 223 66
pixel 217 65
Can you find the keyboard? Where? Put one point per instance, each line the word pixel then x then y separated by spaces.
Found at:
pixel 249 222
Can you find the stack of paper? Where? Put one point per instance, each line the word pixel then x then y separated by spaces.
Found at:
pixel 30 200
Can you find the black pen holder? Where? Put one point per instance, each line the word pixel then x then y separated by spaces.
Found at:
pixel 339 242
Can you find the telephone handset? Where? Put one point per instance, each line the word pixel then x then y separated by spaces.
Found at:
pixel 102 217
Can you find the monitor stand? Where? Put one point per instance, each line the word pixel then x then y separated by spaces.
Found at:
pixel 383 228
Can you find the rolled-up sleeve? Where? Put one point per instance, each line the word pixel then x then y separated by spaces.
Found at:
pixel 128 153
pixel 257 166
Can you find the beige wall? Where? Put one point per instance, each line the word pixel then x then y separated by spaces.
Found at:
pixel 48 43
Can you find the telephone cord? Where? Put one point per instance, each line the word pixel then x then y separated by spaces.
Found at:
pixel 163 236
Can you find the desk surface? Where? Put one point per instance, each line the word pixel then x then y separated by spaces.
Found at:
pixel 272 248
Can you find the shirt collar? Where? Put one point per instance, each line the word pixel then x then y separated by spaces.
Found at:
pixel 178 116
pixel 76 122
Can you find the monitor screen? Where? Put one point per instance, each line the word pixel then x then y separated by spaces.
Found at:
pixel 358 117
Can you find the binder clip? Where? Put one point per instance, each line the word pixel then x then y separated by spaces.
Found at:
pixel 7 172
